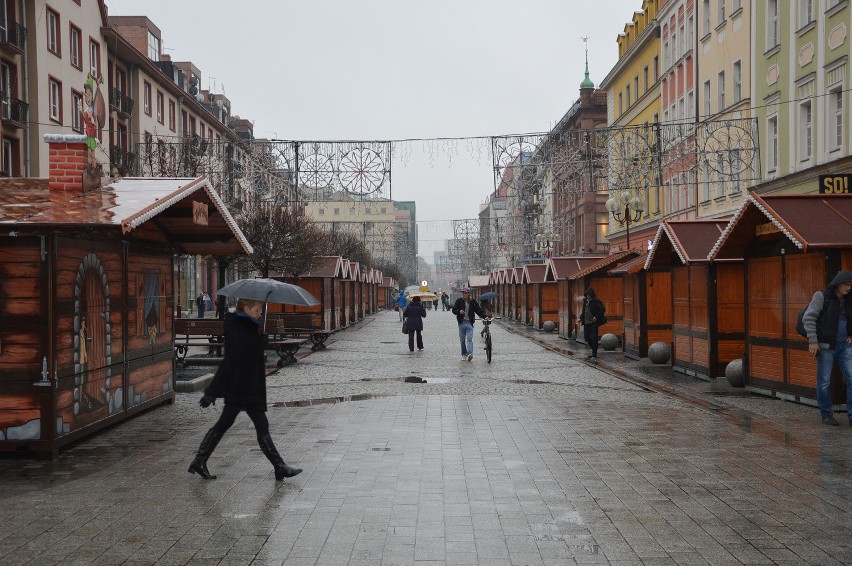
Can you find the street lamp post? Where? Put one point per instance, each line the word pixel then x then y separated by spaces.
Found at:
pixel 547 243
pixel 625 210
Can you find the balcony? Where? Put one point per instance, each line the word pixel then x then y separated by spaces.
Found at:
pixel 13 36
pixel 121 160
pixel 14 112
pixel 120 103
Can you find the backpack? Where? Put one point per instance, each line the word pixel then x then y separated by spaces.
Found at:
pixel 602 318
pixel 800 320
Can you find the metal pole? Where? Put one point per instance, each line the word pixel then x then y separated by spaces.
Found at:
pixel 627 217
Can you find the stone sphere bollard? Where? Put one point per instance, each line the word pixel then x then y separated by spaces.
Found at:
pixel 548 326
pixel 734 373
pixel 609 342
pixel 659 353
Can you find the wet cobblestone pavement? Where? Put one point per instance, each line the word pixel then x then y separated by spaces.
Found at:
pixel 536 458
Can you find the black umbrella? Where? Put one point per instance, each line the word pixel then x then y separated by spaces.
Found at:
pixel 269 291
pixel 489 295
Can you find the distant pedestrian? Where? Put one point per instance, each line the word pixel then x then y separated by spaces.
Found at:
pixel 199 303
pixel 241 381
pixel 414 315
pixel 445 298
pixel 435 303
pixel 827 324
pixel 593 310
pixel 466 309
pixel 402 302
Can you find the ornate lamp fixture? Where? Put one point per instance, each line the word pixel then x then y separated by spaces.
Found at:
pixel 625 209
pixel 547 242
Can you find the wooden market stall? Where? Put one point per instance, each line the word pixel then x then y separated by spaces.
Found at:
pixel 516 291
pixel 608 288
pixel 560 270
pixel 320 282
pixel 540 295
pixel 386 292
pixel 708 324
pixel 792 246
pixel 647 306
pixel 87 297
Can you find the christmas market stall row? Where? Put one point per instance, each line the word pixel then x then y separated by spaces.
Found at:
pixel 86 294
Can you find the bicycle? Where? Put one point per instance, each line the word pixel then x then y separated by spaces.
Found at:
pixel 486 334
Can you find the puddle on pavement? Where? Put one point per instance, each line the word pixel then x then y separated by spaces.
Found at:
pixel 531 381
pixel 329 400
pixel 412 379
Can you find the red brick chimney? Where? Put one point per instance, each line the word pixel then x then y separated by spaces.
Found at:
pixel 67 162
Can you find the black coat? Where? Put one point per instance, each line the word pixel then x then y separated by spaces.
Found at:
pixel 414 314
pixel 474 310
pixel 241 378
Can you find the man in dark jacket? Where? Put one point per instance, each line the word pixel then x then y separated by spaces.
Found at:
pixel 466 310
pixel 827 323
pixel 593 309
pixel 241 381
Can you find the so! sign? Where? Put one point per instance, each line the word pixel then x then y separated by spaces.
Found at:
pixel 835 184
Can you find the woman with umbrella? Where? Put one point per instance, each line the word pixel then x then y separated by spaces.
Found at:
pixel 241 381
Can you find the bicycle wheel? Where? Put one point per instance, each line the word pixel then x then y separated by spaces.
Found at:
pixel 488 347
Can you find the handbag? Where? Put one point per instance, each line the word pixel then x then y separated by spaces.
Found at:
pixel 396 307
pixel 405 327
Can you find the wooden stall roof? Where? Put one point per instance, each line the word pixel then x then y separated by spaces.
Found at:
pixel 604 263
pixel 810 222
pixel 478 281
pixel 534 273
pixel 326 266
pixel 564 267
pixel 690 240
pixel 388 282
pixel 160 204
pixel 501 275
pixel 517 274
pixel 630 266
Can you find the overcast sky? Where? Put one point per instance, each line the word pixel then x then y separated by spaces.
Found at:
pixel 397 69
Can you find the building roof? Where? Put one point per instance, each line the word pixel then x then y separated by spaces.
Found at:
pixel 131 204
pixel 534 273
pixel 630 266
pixel 559 268
pixel 689 240
pixel 810 222
pixel 604 263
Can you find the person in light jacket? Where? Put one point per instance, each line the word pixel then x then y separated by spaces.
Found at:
pixel 241 382
pixel 829 329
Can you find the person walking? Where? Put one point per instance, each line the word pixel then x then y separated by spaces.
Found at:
pixel 466 309
pixel 402 301
pixel 414 315
pixel 199 303
pixel 827 324
pixel 445 298
pixel 241 382
pixel 593 310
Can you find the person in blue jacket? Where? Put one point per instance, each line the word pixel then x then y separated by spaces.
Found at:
pixel 403 302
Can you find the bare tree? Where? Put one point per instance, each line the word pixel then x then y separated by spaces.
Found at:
pixel 284 239
pixel 349 245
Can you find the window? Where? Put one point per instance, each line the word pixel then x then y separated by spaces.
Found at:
pixel 602 227
pixel 738 5
pixel 772 138
pixel 835 129
pixel 384 210
pixel 805 131
pixel 705 17
pixel 690 105
pixel 656 69
pixel 322 212
pixel 738 81
pixel 636 86
pixel 627 91
pixel 707 94
pixel 95 58
pixel 336 211
pixel 666 56
pixel 721 87
pixel 6 87
pixel 146 97
pixel 76 46
pixel 160 108
pixel 77 111
pixel 193 126
pixel 153 47
pixel 620 105
pixel 736 171
pixel 645 78
pixel 722 15
pixel 806 12
pixel 184 123
pixel 10 166
pixel 53 38
pixel 55 100
pixel 690 30
pixel 771 24
pixel 172 124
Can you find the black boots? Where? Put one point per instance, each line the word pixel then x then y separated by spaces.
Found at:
pixel 282 470
pixel 208 445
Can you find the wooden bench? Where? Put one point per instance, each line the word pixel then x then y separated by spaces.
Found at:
pixel 189 332
pixel 297 325
pixel 286 349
